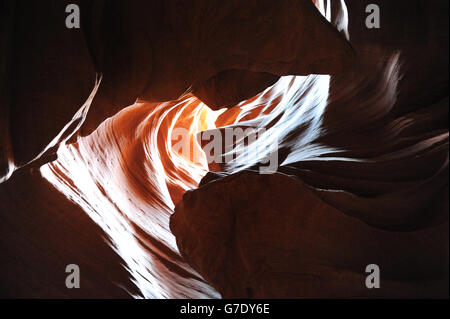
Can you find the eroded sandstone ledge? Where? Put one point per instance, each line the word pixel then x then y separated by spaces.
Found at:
pixel 271 236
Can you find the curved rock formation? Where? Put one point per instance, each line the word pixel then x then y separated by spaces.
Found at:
pixel 362 155
pixel 359 183
pixel 152 50
pixel 272 236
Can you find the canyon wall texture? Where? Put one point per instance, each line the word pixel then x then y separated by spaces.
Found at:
pixel 90 175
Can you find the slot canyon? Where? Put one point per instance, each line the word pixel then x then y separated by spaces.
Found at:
pixel 355 120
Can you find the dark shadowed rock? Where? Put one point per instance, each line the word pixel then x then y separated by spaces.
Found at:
pixel 271 236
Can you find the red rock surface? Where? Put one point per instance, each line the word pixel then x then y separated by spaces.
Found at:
pixel 152 50
pixel 389 110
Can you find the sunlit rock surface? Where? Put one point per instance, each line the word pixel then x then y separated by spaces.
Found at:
pixel 153 50
pixel 41 232
pixel 364 182
pixel 367 149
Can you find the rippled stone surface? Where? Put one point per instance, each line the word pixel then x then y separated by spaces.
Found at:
pixel 387 113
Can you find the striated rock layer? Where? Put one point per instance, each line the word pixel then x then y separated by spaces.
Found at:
pixel 363 179
pixel 366 150
pixel 156 51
